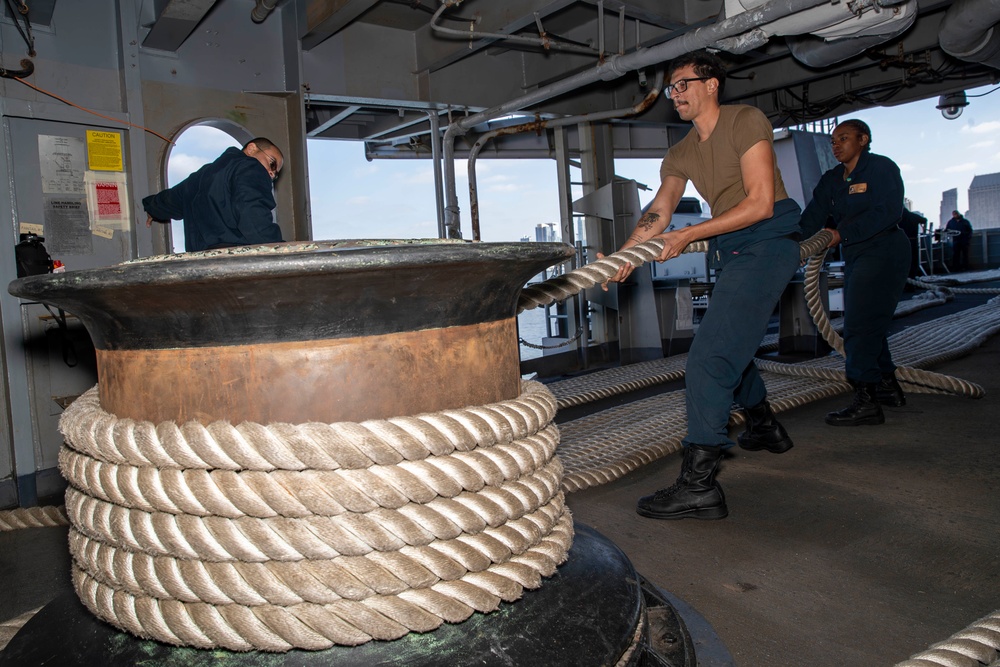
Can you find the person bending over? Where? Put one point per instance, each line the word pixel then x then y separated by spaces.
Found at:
pixel 228 202
pixel 753 236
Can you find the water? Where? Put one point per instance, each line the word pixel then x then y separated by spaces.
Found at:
pixel 531 327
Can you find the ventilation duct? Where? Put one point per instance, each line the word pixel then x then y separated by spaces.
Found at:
pixel 968 31
pixel 833 32
pixel 262 9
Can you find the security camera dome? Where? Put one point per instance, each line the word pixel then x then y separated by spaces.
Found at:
pixel 951 105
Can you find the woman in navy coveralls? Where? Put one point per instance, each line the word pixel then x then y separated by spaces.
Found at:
pixel 861 202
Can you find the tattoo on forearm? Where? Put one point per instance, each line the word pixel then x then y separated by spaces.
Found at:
pixel 647 221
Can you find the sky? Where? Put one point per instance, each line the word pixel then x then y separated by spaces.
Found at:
pixel 354 198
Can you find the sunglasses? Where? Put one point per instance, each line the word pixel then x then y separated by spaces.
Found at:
pixel 272 164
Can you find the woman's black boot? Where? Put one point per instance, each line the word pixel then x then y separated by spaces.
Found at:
pixel 763 430
pixel 695 494
pixel 865 408
pixel 889 392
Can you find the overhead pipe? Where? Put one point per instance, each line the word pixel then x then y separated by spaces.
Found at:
pixel 542 40
pixel 435 122
pixel 611 68
pixel 27 69
pixel 533 126
pixel 262 9
pixel 969 31
pixel 621 31
pixel 600 28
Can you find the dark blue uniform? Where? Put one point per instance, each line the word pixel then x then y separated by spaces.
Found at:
pixel 228 202
pixel 960 244
pixel 865 208
pixel 755 265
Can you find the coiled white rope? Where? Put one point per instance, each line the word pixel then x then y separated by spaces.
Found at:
pixel 281 536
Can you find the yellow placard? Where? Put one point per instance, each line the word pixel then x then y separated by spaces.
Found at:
pixel 104 151
pixel 31 228
pixel 104 232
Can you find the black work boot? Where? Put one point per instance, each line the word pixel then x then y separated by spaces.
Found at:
pixel 865 408
pixel 763 430
pixel 888 392
pixel 695 494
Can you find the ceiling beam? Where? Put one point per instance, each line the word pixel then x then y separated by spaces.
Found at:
pixel 325 18
pixel 175 21
pixel 333 120
pixel 669 15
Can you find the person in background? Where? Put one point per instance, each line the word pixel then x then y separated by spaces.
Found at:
pixel 960 242
pixel 861 201
pixel 754 243
pixel 228 202
pixel 913 225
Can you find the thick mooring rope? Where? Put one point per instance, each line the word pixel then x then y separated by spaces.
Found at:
pixel 975 646
pixel 32 517
pixel 814 249
pixel 12 626
pixel 562 287
pixel 952 282
pixel 281 536
pixel 911 376
pixel 604 445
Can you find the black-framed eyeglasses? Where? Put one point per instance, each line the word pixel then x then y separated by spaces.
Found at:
pixel 681 85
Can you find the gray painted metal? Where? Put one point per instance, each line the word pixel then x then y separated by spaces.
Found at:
pixel 387 52
pixel 175 21
pixel 334 17
pixel 968 31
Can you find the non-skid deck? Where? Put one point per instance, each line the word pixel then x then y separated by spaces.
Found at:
pixel 857 548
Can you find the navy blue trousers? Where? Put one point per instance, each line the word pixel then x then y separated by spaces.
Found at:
pixel 720 368
pixel 875 273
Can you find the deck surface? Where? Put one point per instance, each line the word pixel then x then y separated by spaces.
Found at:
pixel 857 548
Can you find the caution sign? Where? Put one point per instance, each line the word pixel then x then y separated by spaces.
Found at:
pixel 104 151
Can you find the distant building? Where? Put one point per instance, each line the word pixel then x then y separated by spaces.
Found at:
pixel 545 232
pixel 984 202
pixel 907 203
pixel 949 203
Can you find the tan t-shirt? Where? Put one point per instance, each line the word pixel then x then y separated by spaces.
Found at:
pixel 714 165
